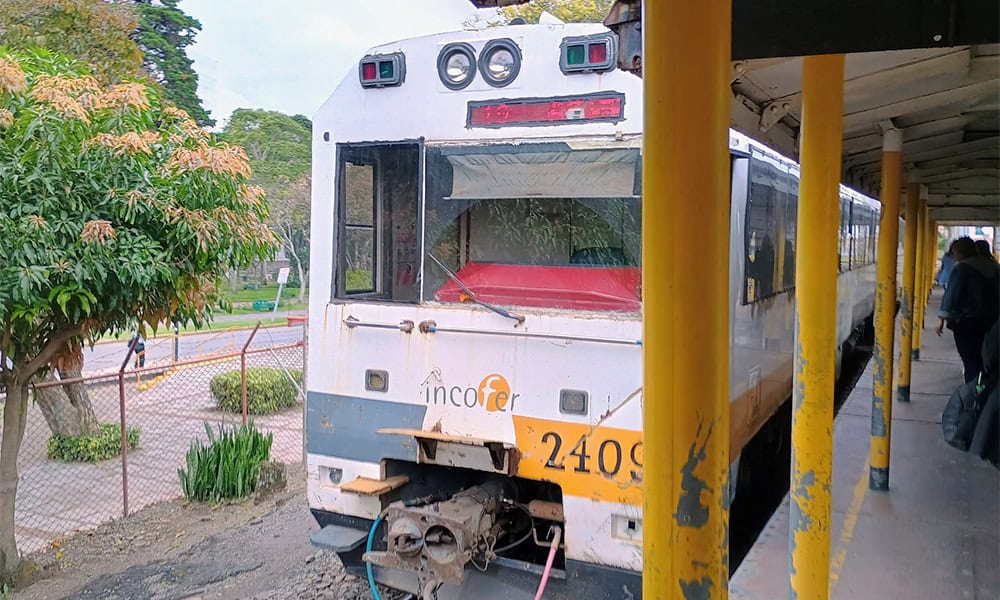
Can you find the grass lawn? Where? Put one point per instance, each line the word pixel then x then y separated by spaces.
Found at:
pixel 162 332
pixel 284 306
pixel 265 292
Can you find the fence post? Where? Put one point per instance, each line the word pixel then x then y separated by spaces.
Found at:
pixel 305 383
pixel 177 341
pixel 243 372
pixel 124 431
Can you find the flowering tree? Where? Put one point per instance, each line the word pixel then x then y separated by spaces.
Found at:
pixel 115 209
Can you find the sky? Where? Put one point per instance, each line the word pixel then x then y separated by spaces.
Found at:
pixel 289 55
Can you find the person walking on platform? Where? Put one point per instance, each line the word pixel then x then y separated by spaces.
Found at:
pixel 985 441
pixel 983 249
pixel 971 303
pixel 947 264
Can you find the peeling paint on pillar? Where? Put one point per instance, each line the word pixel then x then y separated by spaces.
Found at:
pixel 885 310
pixel 908 304
pixel 697 590
pixel 815 327
pixel 878 418
pixel 691 511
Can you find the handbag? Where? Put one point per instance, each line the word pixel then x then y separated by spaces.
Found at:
pixel 958 420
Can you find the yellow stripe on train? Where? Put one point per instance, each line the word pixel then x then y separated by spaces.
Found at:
pixel 600 463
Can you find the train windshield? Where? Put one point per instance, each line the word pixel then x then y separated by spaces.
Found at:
pixel 534 225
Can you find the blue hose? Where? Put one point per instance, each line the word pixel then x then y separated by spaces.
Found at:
pixel 368 565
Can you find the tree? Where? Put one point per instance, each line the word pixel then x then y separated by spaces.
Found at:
pixel 163 33
pixel 115 209
pixel 303 121
pixel 96 32
pixel 279 147
pixel 569 11
pixel 290 208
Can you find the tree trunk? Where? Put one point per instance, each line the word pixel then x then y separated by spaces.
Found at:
pixel 298 267
pixel 14 419
pixel 67 408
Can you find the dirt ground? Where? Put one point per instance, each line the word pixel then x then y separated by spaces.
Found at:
pixel 257 549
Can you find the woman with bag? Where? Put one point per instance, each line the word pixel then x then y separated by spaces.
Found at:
pixel 971 303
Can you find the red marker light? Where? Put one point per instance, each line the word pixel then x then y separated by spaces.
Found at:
pixel 598 53
pixel 368 72
pixel 607 106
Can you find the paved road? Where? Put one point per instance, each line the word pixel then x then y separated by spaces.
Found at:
pixel 108 356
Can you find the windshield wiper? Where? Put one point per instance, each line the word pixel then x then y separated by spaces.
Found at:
pixel 472 295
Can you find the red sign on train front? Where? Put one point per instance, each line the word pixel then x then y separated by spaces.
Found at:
pixel 547 111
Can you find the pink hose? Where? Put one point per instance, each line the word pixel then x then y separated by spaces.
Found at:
pixel 557 533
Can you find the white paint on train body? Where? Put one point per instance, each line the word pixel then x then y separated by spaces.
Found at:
pixel 470 372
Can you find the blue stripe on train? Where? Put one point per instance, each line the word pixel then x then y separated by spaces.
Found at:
pixel 345 426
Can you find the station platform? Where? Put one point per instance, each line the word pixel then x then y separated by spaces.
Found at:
pixel 934 535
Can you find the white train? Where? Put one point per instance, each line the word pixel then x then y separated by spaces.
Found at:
pixel 475 378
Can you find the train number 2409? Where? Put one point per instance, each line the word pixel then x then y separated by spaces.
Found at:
pixel 610 456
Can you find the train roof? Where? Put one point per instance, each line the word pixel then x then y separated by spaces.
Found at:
pixel 422 107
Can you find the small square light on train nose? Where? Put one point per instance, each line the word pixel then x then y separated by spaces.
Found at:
pixel 573 401
pixel 376 381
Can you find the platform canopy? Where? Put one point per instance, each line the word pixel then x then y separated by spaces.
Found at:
pixel 928 67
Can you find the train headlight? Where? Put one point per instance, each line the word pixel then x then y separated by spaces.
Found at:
pixel 573 401
pixel 456 65
pixel 500 62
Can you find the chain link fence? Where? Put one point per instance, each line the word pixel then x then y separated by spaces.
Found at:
pixel 167 403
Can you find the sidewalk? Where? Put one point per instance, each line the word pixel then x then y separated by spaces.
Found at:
pixel 935 534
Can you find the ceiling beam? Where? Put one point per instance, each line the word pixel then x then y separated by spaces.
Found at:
pixel 958 157
pixel 952 174
pixel 912 147
pixel 984 158
pixel 986 144
pixel 964 96
pixel 991 165
pixel 897 77
pixel 744 116
pixel 873 141
pixel 965 214
pixel 987 200
pixel 961 186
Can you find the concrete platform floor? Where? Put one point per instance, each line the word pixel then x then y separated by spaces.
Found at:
pixel 934 535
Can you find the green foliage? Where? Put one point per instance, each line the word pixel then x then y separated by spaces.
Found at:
pixel 279 147
pixel 268 390
pixel 114 207
pixel 228 467
pixel 164 32
pixel 105 444
pixel 303 121
pixel 95 32
pixel 570 11
pixel 358 279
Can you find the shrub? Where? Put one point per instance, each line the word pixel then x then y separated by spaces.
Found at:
pixel 228 467
pixel 268 390
pixel 105 444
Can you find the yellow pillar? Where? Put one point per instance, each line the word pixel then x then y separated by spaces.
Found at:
pixel 686 61
pixel 815 326
pixel 907 305
pixel 932 249
pixel 885 310
pixel 928 255
pixel 919 297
